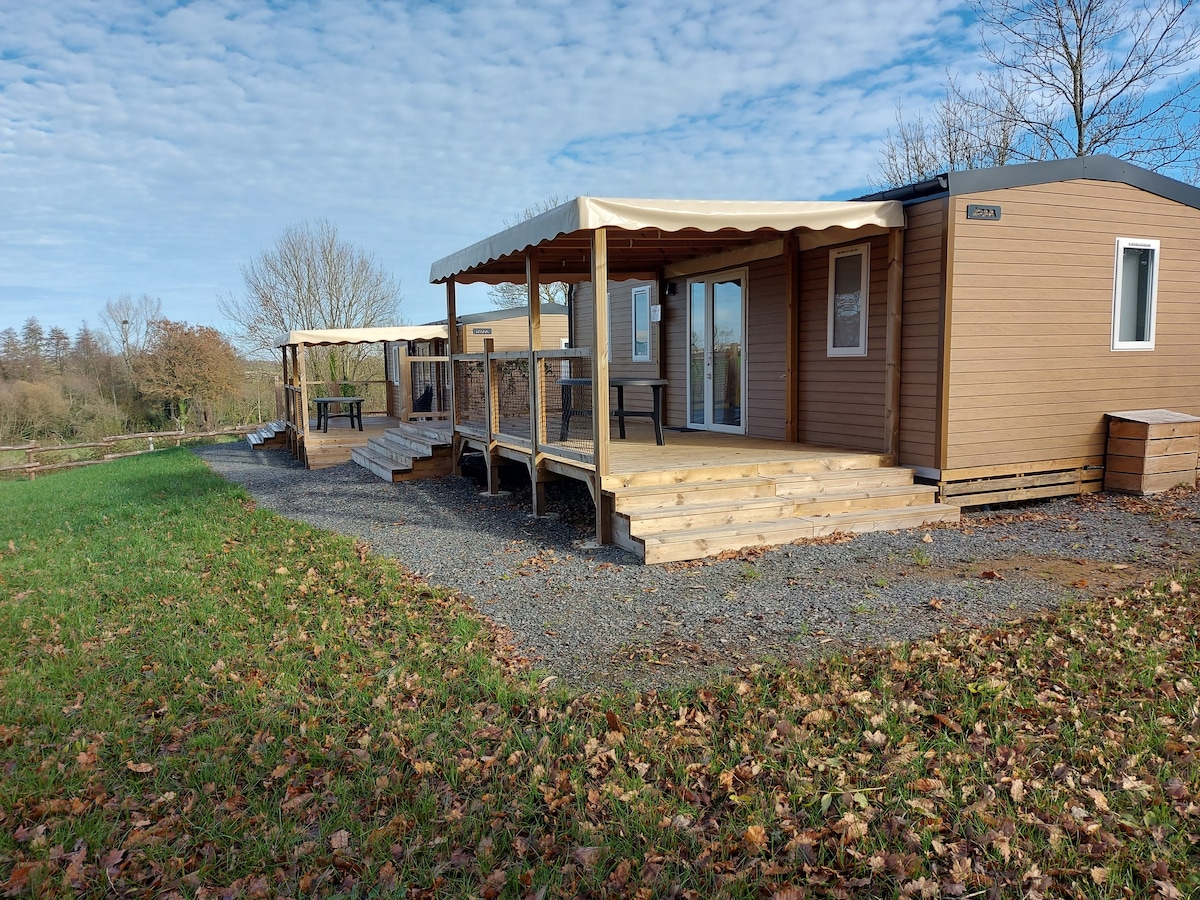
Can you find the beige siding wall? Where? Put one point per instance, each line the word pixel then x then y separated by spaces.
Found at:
pixel 1031 369
pixel 513 333
pixel 920 360
pixel 841 398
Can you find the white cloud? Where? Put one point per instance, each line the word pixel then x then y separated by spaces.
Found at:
pixel 155 147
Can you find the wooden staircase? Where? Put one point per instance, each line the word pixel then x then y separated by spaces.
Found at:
pixel 410 450
pixel 706 512
pixel 269 436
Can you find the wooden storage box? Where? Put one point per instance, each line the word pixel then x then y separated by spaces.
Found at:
pixel 1151 450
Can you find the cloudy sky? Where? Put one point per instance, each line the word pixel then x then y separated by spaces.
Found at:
pixel 149 146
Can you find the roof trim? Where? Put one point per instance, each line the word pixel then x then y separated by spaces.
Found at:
pixel 589 213
pixel 1078 168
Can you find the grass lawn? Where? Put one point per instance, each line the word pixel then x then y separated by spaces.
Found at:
pixel 198 698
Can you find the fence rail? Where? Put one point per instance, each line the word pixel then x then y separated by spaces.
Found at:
pixel 32 467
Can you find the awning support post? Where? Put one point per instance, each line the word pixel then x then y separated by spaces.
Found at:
pixel 600 379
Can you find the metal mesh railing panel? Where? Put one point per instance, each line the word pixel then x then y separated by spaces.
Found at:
pixel 470 394
pixel 566 402
pixel 511 380
pixel 430 387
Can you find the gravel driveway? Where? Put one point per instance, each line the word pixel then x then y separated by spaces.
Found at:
pixel 600 618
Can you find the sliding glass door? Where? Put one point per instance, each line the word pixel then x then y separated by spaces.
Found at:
pixel 717 357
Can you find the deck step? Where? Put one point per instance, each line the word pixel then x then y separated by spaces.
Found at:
pixel 663 496
pixel 697 543
pixel 272 434
pixel 411 443
pixel 863 521
pixel 430 432
pixel 739 511
pixel 384 449
pixel 383 466
pixel 801 485
pixel 894 496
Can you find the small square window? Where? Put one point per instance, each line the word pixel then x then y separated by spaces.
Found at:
pixel 1135 294
pixel 641 324
pixel 849 274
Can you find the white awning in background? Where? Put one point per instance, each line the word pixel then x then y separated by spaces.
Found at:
pixel 587 213
pixel 329 336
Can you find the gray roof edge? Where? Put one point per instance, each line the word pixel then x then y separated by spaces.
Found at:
pixel 1094 168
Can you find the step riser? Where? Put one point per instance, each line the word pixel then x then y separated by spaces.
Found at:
pixel 644 527
pixel 674 551
pixel 822 507
pixel 390 451
pixel 423 433
pixel 885 520
pixel 414 446
pixel 668 498
pixel 842 484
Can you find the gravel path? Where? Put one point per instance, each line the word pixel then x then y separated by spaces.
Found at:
pixel 600 618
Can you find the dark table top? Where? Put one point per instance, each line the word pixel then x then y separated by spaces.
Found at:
pixel 337 399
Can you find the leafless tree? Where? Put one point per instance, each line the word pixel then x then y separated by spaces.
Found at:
pixel 312 279
pixel 128 323
pixel 1079 77
pixel 956 137
pixel 509 295
pixel 1068 78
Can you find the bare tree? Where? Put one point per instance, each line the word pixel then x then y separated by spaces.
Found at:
pixel 510 295
pixel 129 322
pixel 312 279
pixel 1079 77
pixel 957 136
pixel 1068 78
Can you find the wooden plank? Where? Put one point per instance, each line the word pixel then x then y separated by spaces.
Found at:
pixel 1152 465
pixel 1073 476
pixel 727 260
pixel 1047 465
pixel 1018 495
pixel 1156 417
pixel 1146 431
pixel 893 342
pixel 1158 447
pixel 945 342
pixel 600 372
pixel 1144 484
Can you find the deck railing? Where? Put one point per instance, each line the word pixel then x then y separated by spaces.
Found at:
pixel 424 391
pixel 492 394
pixel 564 403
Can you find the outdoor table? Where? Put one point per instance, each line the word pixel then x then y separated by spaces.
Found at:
pixel 353 411
pixel 656 386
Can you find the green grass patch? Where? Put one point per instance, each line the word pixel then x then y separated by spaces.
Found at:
pixel 200 697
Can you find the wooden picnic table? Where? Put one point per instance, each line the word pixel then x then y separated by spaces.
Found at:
pixel 656 386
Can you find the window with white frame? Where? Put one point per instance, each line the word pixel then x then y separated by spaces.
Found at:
pixel 641 324
pixel 1135 294
pixel 849 274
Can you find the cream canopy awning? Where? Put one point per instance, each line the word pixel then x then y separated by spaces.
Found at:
pixel 328 336
pixel 715 224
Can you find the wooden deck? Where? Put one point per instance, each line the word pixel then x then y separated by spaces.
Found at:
pixel 322 449
pixel 707 455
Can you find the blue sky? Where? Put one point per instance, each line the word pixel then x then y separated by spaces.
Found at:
pixel 155 147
